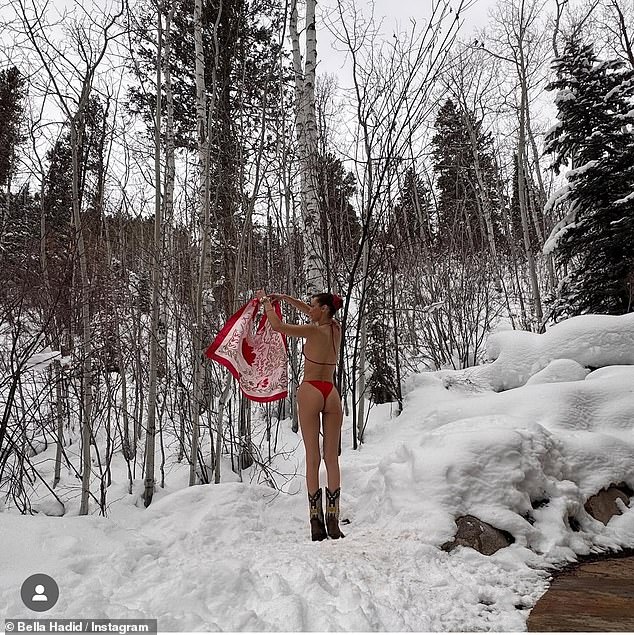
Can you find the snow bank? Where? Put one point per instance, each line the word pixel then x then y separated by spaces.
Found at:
pixel 525 460
pixel 559 370
pixel 590 340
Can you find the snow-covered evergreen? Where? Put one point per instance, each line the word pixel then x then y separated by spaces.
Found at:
pixel 595 136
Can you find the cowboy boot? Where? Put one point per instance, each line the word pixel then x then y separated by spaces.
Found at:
pixel 332 513
pixel 317 527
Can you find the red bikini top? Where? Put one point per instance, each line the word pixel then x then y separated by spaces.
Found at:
pixel 333 348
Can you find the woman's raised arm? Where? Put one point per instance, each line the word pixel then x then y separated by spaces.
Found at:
pixel 298 304
pixel 294 330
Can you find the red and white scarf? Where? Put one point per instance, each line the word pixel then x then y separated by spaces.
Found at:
pixel 257 360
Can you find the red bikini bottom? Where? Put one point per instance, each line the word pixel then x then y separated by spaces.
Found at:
pixel 324 387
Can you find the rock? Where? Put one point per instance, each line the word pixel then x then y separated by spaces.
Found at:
pixel 603 506
pixel 538 503
pixel 475 533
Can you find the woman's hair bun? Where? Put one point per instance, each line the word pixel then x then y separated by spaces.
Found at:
pixel 331 300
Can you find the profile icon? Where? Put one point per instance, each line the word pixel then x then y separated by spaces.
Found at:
pixel 39 592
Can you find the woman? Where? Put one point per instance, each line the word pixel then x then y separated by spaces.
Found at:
pixel 317 396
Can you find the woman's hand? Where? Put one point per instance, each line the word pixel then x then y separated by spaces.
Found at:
pixel 273 297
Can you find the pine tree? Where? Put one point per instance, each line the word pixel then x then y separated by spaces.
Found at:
pixel 11 110
pixel 515 231
pixel 459 215
pixel 57 207
pixel 19 254
pixel 340 222
pixel 239 83
pixel 382 382
pixel 595 134
pixel 412 219
pixel 57 196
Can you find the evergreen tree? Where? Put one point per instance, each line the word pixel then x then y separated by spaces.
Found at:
pixel 412 222
pixel 57 207
pixel 595 135
pixel 11 110
pixel 57 195
pixel 248 56
pixel 515 231
pixel 58 202
pixel 247 64
pixel 342 229
pixel 459 214
pixel 19 255
pixel 93 158
pixel 382 381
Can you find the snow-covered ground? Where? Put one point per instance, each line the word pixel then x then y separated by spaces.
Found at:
pixel 237 556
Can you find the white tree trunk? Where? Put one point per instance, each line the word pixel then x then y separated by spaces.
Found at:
pixel 306 130
pixel 203 198
pixel 204 113
pixel 521 177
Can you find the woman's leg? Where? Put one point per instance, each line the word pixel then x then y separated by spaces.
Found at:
pixel 309 404
pixel 332 419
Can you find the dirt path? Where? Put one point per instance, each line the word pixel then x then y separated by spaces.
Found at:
pixel 589 596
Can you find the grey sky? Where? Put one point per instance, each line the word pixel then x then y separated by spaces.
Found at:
pixel 393 12
pixel 402 10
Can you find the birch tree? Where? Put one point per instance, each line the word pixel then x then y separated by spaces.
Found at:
pixel 204 118
pixel 306 131
pixel 519 40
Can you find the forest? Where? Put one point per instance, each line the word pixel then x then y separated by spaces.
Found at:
pixel 160 161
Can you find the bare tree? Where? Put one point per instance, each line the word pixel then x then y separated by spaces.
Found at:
pixel 157 274
pixel 204 118
pixel 470 86
pixel 521 44
pixel 392 100
pixel 617 21
pixel 72 77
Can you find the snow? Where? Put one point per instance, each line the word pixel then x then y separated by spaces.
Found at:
pixel 582 169
pixel 626 199
pixel 590 340
pixel 559 231
pixel 42 360
pixel 618 90
pixel 557 197
pixel 564 95
pixel 559 370
pixel 557 126
pixel 237 556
